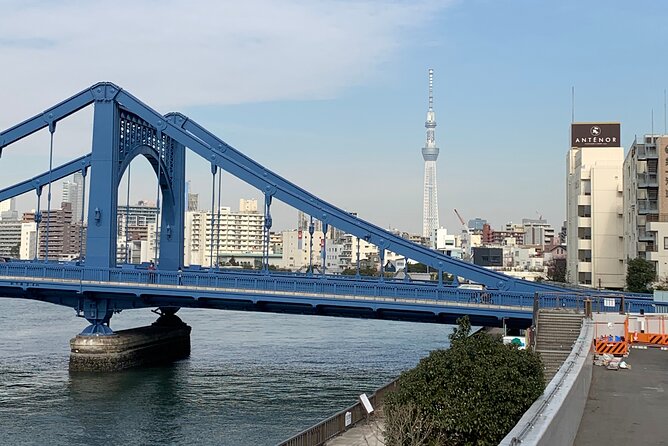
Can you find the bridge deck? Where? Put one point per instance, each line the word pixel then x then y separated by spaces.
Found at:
pixel 151 294
pixel 628 406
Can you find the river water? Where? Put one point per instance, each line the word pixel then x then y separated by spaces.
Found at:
pixel 251 379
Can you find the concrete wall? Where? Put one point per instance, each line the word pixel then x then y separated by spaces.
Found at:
pixel 555 417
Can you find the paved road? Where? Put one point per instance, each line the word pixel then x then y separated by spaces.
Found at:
pixel 362 434
pixel 628 407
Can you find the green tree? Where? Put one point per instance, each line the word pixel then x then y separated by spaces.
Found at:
pixel 15 251
pixel 639 274
pixel 471 394
pixel 556 270
pixel 417 268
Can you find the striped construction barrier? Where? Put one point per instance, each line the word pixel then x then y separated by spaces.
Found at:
pixel 649 338
pixel 610 347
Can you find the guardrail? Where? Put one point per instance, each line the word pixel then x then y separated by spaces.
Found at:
pixel 555 416
pixel 336 424
pixel 316 284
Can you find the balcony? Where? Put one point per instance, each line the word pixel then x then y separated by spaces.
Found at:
pixel 648 180
pixel 584 244
pixel 584 200
pixel 652 256
pixel 584 222
pixel 646 236
pixel 647 206
pixel 647 152
pixel 584 267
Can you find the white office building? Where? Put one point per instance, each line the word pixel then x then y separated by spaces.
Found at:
pixel 28 240
pixel 595 254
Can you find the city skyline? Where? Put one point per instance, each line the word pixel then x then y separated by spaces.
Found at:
pixel 506 72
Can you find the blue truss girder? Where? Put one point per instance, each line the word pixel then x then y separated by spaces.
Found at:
pixel 190 134
pixel 48 118
pixel 221 154
pixel 40 180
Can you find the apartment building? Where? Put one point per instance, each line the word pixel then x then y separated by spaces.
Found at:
pixel 65 233
pixel 212 238
pixel 646 202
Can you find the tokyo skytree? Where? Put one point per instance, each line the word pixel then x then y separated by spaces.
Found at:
pixel 430 154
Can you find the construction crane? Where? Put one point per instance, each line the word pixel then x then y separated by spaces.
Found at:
pixel 467 244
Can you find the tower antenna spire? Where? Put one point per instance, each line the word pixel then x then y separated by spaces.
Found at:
pixel 430 154
pixel 431 89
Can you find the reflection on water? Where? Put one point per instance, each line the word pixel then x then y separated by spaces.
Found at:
pixel 251 379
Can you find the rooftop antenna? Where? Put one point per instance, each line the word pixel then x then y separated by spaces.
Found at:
pixel 665 132
pixel 652 125
pixel 572 104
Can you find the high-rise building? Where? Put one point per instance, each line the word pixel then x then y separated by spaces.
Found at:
pixel 193 202
pixel 430 154
pixel 646 202
pixel 73 194
pixel 8 210
pixel 594 211
pixel 537 232
pixel 134 229
pixel 66 239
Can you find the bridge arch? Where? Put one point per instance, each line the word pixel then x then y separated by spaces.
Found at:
pixel 127 136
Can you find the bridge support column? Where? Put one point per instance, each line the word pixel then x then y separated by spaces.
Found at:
pixel 166 340
pixel 173 213
pixel 103 198
pixel 98 313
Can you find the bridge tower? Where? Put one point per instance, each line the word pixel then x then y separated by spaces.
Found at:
pixel 118 137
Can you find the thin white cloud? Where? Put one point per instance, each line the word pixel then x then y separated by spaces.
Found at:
pixel 176 53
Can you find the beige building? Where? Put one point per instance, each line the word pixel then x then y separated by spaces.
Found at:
pixel 296 248
pixel 646 202
pixel 595 250
pixel 224 236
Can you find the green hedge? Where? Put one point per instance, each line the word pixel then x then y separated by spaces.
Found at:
pixel 471 394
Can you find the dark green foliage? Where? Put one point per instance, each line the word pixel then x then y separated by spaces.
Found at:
pixel 417 268
pixel 363 272
pixel 556 271
pixel 639 274
pixel 470 394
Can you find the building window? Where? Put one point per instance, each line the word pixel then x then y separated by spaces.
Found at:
pixel 665 243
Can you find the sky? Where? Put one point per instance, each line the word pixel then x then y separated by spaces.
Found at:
pixel 332 94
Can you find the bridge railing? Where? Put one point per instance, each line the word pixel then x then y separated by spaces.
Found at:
pixel 318 285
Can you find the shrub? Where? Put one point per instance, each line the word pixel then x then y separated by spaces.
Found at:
pixel 471 394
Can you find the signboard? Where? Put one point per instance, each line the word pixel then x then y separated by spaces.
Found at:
pixel 520 341
pixel 609 302
pixel 595 135
pixel 349 419
pixel 366 403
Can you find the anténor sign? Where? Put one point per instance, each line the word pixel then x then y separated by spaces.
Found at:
pixel 595 134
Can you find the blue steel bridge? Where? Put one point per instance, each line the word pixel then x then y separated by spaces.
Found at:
pixel 97 287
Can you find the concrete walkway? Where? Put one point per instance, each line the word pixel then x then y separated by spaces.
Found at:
pixel 362 434
pixel 628 407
